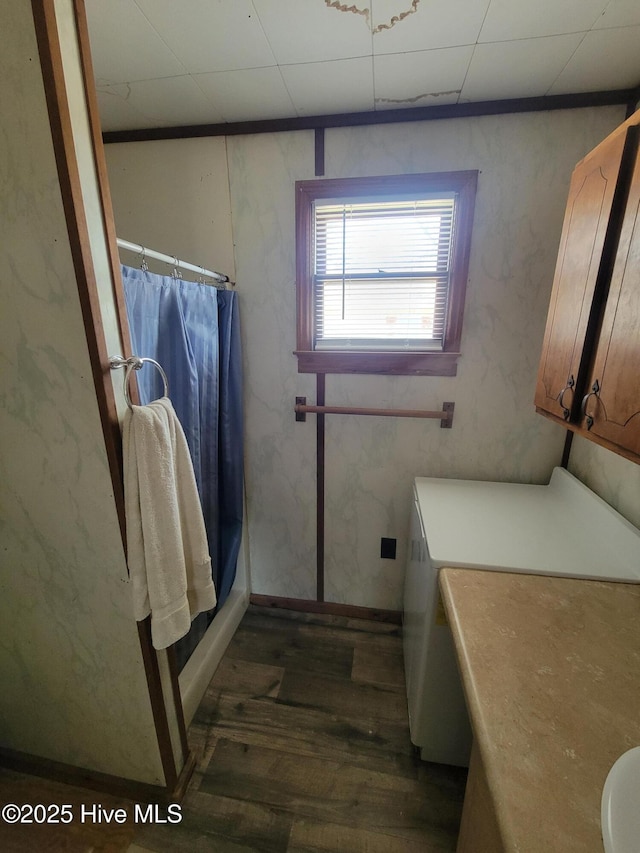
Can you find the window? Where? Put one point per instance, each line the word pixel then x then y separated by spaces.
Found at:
pixel 381 272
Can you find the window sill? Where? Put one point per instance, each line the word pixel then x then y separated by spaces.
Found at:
pixel 384 363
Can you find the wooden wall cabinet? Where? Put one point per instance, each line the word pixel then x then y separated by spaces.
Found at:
pixel 589 375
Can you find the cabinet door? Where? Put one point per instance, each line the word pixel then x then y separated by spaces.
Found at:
pixel 586 235
pixel 612 409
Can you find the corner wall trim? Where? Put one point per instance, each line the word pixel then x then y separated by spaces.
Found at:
pixel 614 97
pixel 319 151
pixel 45 17
pixel 320 481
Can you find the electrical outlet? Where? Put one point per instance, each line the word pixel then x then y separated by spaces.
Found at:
pixel 388 548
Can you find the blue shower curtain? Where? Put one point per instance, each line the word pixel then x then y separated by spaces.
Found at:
pixel 193 331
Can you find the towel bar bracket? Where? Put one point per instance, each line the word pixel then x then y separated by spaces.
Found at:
pixel 116 362
pixel 445 416
pixel 301 409
pixel 447 421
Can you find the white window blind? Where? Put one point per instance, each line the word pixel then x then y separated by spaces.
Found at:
pixel 381 273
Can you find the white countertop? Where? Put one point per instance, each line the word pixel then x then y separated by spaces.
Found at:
pixel 560 529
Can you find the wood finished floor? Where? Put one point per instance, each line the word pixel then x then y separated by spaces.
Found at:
pixel 303 747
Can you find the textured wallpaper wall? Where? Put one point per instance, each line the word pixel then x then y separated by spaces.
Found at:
pixel 73 682
pixel 614 478
pixel 525 163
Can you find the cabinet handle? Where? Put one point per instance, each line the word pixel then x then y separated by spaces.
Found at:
pixel 595 388
pixel 569 386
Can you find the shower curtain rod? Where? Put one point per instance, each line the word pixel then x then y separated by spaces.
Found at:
pixel 170 259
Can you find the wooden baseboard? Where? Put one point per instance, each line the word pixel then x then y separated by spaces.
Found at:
pixel 330 608
pixel 93 780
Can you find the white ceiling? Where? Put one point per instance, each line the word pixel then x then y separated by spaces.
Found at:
pixel 162 63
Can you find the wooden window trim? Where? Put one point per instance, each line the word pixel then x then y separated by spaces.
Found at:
pixel 442 363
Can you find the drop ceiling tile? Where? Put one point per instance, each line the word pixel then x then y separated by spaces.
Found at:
pixel 439 23
pixel 169 101
pixel 620 13
pixel 341 86
pixel 606 59
pixel 124 46
pixel 116 113
pixel 420 79
pixel 302 31
pixel 524 68
pixel 507 19
pixel 247 95
pixel 210 35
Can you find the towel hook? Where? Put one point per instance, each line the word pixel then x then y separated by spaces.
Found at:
pixel 136 363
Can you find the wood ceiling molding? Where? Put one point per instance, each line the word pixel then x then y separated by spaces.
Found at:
pixel 616 97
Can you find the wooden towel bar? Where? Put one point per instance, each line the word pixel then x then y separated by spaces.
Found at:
pixel 445 416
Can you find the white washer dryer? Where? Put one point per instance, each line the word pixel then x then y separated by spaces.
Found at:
pixel 562 528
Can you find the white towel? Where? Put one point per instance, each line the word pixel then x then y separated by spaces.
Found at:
pixel 168 553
